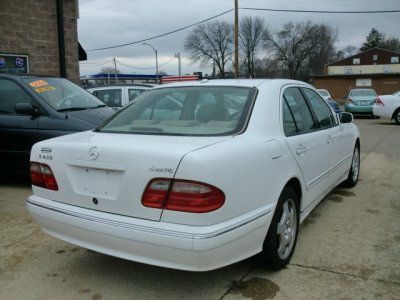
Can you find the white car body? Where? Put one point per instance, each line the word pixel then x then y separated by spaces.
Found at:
pixel 251 168
pixel 387 105
pixel 124 94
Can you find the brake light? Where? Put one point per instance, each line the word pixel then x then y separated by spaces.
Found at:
pixel 379 102
pixel 42 176
pixel 182 195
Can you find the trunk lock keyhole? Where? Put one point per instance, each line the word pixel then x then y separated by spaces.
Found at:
pixel 95 201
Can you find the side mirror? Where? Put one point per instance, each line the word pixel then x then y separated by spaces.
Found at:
pixel 345 117
pixel 26 109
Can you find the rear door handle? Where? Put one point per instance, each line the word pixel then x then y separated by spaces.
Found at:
pixel 301 149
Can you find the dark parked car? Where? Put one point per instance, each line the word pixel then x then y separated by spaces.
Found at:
pixel 37 108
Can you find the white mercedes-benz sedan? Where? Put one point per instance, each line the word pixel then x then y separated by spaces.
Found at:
pixel 197 175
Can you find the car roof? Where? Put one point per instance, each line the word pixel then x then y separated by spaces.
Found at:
pixel 362 89
pixel 231 82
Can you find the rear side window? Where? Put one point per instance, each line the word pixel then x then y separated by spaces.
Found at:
pixel 10 94
pixel 111 97
pixel 299 110
pixel 321 109
pixel 289 125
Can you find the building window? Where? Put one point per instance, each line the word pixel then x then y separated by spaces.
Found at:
pixel 375 57
pixel 394 60
pixel 356 61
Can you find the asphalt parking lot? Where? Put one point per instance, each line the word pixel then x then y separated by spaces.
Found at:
pixel 349 248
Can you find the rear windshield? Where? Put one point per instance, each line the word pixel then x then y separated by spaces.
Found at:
pixel 362 93
pixel 194 111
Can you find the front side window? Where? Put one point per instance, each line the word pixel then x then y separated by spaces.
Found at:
pixel 61 94
pixel 299 110
pixel 110 97
pixel 11 94
pixel 321 109
pixel 194 111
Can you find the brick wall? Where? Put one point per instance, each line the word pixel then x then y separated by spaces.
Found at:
pixel 30 27
pixel 339 87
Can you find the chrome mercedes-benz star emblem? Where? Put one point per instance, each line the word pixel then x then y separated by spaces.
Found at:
pixel 94 153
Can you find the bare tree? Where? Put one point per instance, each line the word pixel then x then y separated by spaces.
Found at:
pixel 251 33
pixel 297 45
pixel 211 43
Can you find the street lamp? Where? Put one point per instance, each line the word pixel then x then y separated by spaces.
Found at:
pixel 155 51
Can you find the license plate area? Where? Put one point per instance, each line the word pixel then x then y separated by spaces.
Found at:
pixel 95 182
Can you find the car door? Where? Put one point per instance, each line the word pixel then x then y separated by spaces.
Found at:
pixel 336 137
pixel 18 132
pixel 306 142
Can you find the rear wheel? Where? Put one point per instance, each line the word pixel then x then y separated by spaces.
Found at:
pixel 281 238
pixel 354 172
pixel 396 116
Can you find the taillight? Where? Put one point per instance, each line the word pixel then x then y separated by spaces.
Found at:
pixel 182 195
pixel 42 176
pixel 379 102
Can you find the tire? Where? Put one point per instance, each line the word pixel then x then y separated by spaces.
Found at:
pixel 354 172
pixel 396 116
pixel 275 255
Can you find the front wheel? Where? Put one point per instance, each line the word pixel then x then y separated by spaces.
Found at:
pixel 354 172
pixel 282 234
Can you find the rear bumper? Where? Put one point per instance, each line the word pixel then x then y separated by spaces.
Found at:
pixel 383 111
pixel 358 109
pixel 193 248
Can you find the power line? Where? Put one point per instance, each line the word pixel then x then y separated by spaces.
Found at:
pixel 245 8
pixel 161 35
pixel 323 11
pixel 96 63
pixel 145 68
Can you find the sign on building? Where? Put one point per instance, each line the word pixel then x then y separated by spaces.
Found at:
pixel 363 82
pixel 14 63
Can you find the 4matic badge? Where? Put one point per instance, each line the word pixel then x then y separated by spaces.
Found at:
pixel 161 170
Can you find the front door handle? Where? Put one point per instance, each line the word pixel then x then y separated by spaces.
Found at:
pixel 301 149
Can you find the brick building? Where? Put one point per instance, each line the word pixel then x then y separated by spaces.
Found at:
pixel 375 68
pixel 40 37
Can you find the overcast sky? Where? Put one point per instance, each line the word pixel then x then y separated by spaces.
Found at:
pixel 105 23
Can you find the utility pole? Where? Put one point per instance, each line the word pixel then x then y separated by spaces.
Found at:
pixel 236 39
pixel 178 55
pixel 115 70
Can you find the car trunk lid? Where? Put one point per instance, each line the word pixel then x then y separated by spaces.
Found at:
pixel 109 172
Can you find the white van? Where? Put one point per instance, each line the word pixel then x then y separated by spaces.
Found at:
pixel 119 95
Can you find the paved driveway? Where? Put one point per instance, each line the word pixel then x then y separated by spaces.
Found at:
pixel 348 248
